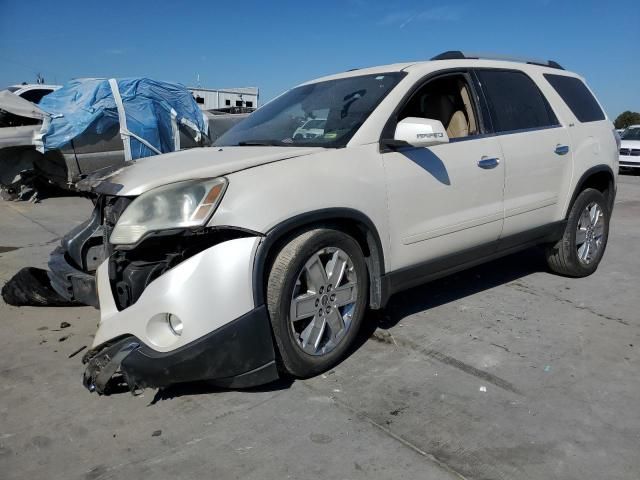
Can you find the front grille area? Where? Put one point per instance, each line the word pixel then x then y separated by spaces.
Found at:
pixel 630 152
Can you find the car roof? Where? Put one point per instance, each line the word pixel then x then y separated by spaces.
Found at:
pixel 424 65
pixel 35 85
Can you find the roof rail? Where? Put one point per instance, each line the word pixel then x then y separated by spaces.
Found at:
pixel 459 55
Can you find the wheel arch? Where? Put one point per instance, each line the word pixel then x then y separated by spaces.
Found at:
pixel 350 221
pixel 601 178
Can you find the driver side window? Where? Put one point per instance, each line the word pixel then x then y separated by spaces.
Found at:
pixel 447 99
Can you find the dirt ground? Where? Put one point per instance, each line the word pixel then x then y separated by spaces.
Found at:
pixel 504 371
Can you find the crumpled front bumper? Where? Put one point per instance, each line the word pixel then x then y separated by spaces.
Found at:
pixel 225 337
pixel 69 282
pixel 239 355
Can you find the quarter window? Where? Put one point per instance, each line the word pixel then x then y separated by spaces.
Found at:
pixel 577 97
pixel 515 101
pixel 35 95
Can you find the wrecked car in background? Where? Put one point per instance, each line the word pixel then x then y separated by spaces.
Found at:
pixel 20 119
pixel 91 129
pixel 62 162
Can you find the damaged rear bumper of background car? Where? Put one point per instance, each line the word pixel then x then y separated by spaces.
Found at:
pixel 222 337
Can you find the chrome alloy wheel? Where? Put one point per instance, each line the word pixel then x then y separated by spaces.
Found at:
pixel 590 233
pixel 323 301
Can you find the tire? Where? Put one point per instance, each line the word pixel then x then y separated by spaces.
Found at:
pixel 297 286
pixel 568 256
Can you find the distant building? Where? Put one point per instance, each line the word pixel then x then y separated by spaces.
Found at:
pixel 226 99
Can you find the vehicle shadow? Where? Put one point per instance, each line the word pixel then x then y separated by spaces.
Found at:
pixel 203 388
pixel 451 288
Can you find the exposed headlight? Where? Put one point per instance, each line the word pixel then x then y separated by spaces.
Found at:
pixel 177 205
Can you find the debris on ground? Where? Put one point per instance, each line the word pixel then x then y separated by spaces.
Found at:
pixel 31 287
pixel 62 339
pixel 77 351
pixel 65 325
pixel 156 433
pixel 29 186
pixel 483 389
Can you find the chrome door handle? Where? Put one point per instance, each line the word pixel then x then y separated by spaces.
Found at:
pixel 488 163
pixel 562 149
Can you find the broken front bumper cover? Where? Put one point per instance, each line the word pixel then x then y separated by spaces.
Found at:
pixel 69 282
pixel 239 354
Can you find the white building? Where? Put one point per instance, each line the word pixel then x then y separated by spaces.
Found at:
pixel 225 98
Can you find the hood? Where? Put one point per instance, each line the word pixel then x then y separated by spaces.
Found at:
pixel 12 103
pixel 630 144
pixel 147 173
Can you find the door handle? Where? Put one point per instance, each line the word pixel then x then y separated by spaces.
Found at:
pixel 488 163
pixel 562 149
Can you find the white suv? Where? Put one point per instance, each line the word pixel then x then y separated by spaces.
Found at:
pixel 259 257
pixel 630 148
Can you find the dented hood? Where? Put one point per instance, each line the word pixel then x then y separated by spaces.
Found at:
pixel 151 172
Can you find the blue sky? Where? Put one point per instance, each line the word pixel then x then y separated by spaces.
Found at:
pixel 277 44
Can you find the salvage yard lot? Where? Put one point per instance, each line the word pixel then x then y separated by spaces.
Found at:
pixel 502 371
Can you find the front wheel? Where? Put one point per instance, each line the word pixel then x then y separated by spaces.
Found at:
pixel 316 297
pixel 579 251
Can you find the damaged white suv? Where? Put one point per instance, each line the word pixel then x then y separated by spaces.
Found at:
pixel 260 256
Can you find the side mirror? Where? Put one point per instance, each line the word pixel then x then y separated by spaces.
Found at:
pixel 420 132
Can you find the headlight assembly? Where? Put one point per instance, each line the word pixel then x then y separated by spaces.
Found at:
pixel 177 205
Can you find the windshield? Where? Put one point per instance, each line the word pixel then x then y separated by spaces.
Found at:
pixel 340 107
pixel 631 134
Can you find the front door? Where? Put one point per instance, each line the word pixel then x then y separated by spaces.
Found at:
pixel 446 198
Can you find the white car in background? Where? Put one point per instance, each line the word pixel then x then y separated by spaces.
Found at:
pixel 630 148
pixel 310 129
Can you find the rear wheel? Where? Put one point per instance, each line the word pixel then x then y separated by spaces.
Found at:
pixel 579 251
pixel 316 297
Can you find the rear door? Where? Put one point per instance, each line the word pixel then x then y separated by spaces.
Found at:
pixel 536 149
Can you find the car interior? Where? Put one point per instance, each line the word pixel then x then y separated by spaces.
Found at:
pixel 446 99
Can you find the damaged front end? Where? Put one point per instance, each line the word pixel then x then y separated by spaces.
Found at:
pixel 103 365
pixel 199 275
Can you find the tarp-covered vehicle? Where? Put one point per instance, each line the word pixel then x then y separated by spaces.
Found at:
pixel 91 129
pixel 83 130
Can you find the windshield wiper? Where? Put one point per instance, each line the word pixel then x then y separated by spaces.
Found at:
pixel 261 143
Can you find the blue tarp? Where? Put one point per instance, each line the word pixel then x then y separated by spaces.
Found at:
pixel 88 105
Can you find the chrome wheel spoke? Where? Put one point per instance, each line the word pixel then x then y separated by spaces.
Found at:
pixel 599 230
pixel 336 267
pixel 594 214
pixel 304 306
pixel 345 294
pixel 336 323
pixel 581 236
pixel 316 274
pixel 312 335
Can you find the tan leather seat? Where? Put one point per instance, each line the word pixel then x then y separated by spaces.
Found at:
pixel 441 107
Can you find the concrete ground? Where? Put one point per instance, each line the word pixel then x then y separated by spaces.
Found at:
pixel 501 372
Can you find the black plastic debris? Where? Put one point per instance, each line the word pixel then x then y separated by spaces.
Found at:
pixel 31 287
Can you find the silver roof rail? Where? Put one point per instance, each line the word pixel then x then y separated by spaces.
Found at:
pixel 458 55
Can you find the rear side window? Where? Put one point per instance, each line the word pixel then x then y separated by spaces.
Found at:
pixel 515 101
pixel 577 97
pixel 35 95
